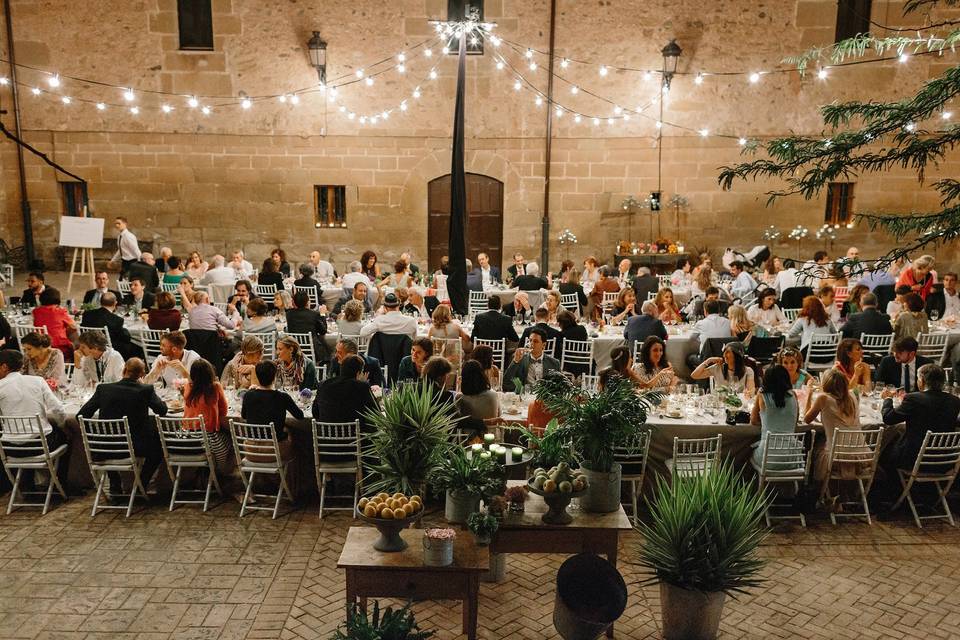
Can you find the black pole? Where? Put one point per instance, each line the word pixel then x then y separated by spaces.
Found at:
pixel 24 198
pixel 548 152
pixel 457 276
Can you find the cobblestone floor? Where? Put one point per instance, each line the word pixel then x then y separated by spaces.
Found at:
pixel 190 576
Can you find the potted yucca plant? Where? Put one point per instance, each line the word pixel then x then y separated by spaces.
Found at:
pixel 701 545
pixel 593 425
pixel 389 625
pixel 410 437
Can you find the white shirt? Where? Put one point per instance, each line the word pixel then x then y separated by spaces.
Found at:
pixel 243 270
pixel 713 326
pixel 22 395
pixel 786 279
pixel 127 247
pixel 743 285
pixel 392 322
pixel 219 275
pixel 951 304
pixel 170 374
pixel 767 317
pixel 323 269
pixel 485 276
pixel 111 364
pixel 812 272
pixel 911 371
pixel 351 279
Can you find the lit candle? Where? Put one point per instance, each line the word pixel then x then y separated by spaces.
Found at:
pixel 485 455
pixel 488 439
pixel 517 454
pixel 477 448
pixel 501 454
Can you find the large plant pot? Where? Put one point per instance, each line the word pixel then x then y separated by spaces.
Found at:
pixel 591 595
pixel 690 615
pixel 603 490
pixel 459 506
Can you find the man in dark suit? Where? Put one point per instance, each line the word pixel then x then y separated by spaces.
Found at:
pixel 303 319
pixel 35 286
pixel 640 327
pixel 645 284
pixel 145 268
pixel 105 318
pixel 944 299
pixel 695 307
pixel 518 268
pixel 531 280
pixel 493 325
pixel 869 320
pixel 131 399
pixel 520 308
pixel 139 297
pixel 306 279
pixel 532 363
pixel 486 271
pixel 900 369
pixel 474 278
pixel 371 366
pixel 928 409
pixel 346 397
pixel 359 293
pixel 541 315
pixel 102 281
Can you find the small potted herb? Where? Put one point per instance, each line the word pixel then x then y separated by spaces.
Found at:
pixel 483 526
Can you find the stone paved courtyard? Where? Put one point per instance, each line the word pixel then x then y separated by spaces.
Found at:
pixel 190 576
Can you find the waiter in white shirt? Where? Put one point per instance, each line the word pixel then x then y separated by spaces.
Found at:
pixel 24 396
pixel 128 251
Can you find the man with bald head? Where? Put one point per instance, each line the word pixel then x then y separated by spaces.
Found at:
pixel 322 269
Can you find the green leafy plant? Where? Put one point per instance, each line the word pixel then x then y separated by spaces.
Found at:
pixel 594 424
pixel 729 397
pixel 475 475
pixel 704 532
pixel 517 386
pixel 482 524
pixel 391 625
pixel 548 449
pixel 411 436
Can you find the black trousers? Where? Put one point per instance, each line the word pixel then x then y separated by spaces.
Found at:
pixel 125 266
pixel 55 438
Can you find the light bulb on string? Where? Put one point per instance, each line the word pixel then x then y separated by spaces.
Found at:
pixel 559 112
pixel 101 106
pixel 416 92
pixel 342 109
pixel 369 81
pixel 128 95
pixel 647 75
pixel 35 91
pixel 245 103
pixel 742 142
pixel 134 110
pixel 539 101
pixel 294 99
pixel 603 70
pixel 428 52
pixel 517 86
pixel 574 89
pixel 911 127
pixel 822 74
pixel 166 108
pixel 617 110
pixel 529 53
pixel 946 115
pixel 626 117
pixel 704 133
pixel 401 57
pixel 474 42
pixel 54 80
pixel 385 115
pixel 401 68
pixel 596 122
pixel 433 74
pixel 533 66
pixel 205 111
pixel 4 81
pixel 904 57
pixel 359 73
pixel 698 79
pixel 754 78
pixel 495 40
pixel 363 119
pixel 66 99
pixel 283 98
pixel 193 102
pixel 351 115
pixel 333 93
pixel 374 120
pixel 658 124
pixel 610 121
pixel 499 65
pixel 577 118
pixel 403 106
pixel 445 51
pixel 564 63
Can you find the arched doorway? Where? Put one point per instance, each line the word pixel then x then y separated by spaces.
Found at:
pixel 484 229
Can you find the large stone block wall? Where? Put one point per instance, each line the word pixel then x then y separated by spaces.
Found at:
pixel 246 179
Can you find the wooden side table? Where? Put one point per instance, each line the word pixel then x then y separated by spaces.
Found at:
pixel 402 574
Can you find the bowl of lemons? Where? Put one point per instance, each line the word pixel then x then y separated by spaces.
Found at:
pixel 390 514
pixel 558 486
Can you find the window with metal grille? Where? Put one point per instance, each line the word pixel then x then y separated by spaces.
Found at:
pixel 74 198
pixel 195 20
pixel 839 203
pixel 461 10
pixel 853 18
pixel 331 209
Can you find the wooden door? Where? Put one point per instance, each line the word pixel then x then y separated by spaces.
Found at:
pixel 484 229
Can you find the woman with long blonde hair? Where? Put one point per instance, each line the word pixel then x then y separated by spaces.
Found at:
pixel 667 306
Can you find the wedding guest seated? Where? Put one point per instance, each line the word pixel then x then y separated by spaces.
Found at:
pixel 519 310
pixel 370 267
pixel 494 325
pixel 35 286
pixel 60 326
pixel 257 320
pixel 437 375
pixel 912 320
pixel 347 347
pixel 399 278
pixel 551 302
pixel 145 268
pixel 530 364
pixel 359 294
pixel 850 363
pixel 572 286
pixel 102 280
pixel 730 370
pixel 531 280
pixel 667 309
pixel 270 276
pixel 898 304
pixel 354 275
pixel 570 329
pixel 446 328
pixel 743 282
pixel 900 368
pixel 713 325
pixel 488 273
pixel 345 397
pixel 741 327
pixel 766 312
pixel 165 254
pixel 518 268
pixel 828 296
pixel 239 372
pixel 653 370
pixel 352 320
pixel 644 284
pixel 174 361
pixel 283 302
pixel 696 308
pixel 196 267
pixel 541 315
pixel 605 284
pixel 322 269
pixel 644 325
pixel 306 279
pixel 262 404
pixel 186 292
pixel 944 302
pixel 279 259
pixel 412 365
pixel 625 307
pixel 132 400
pixel 220 273
pixel 94 361
pixel 242 269
pixel 776 411
pixel 203 396
pixel 206 317
pixel 591 270
pixel 926 407
pixel 302 319
pixel 621 366
pixel 105 317
pixel 294 369
pixel 242 296
pixel 811 320
pixel 837 408
pixel 166 316
pixel 391 322
pixel 174 271
pixel 476 402
pixel 415 306
pixel 624 273
pixel 42 360
pixel 791 359
pixel 484 355
pixel 682 274
pixel 139 298
pixel 854 301
pixel 867 320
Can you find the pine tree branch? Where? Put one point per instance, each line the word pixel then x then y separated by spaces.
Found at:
pixel 858 46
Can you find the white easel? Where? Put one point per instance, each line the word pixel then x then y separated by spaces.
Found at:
pixel 83 234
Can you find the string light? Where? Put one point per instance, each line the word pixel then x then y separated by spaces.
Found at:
pixel 577 118
pixel 4 81
pixel 822 74
pixel 658 124
pixel 559 112
pixel 499 65
pixel 610 121
pixel 283 98
pixel 205 111
pixel 193 102
pixel 245 103
pixel 369 81
pixel 351 115
pixel 65 99
pixel 533 66
pixel 403 106
pixel 617 110
pixel 754 78
pixel 603 70
pixel 596 122
pixel 564 63
pixel 416 92
pixel 704 133
pixel 333 93
pixel 35 91
pixel 910 127
pixel 401 68
pixel 342 109
pixel 946 115
pixel 401 57
pixel 101 106
pixel 128 95
pixel 358 73
pixel 742 142
pixel 529 53
pixel 445 51
pixel 166 108
pixel 517 86
pixel 539 101
pixel 433 74
pixel 647 76
pixel 699 79
pixel 428 52
pixel 295 99
pixel 574 89
pixel 904 57
pixel 134 110
pixel 54 81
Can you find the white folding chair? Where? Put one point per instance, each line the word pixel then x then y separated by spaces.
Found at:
pixel 570 302
pixel 222 306
pixel 220 292
pixel 840 295
pixel 269 340
pixel 822 351
pixel 937 462
pixel 665 281
pixel 609 300
pixel 23 446
pixel 171 287
pixel 634 453
pixel 305 340
pixel 549 347
pixel 150 340
pixel 101 330
pixel 791 314
pixel 265 291
pixel 694 456
pixel 477 302
pixel 68 371
pixel 363 343
pixel 853 456
pixel 651 295
pixel 186 446
pixel 589 383
pixel 258 452
pixel 20 330
pixel 933 346
pixel 123 287
pixel 108 447
pixel 336 451
pixel 878 344
pixel 6 275
pixel 311 294
pixel 577 353
pixel 783 461
pixel 498 346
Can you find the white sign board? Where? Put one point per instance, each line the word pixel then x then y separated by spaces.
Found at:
pixel 85 233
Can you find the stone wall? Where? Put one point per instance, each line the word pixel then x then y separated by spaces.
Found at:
pixel 245 178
